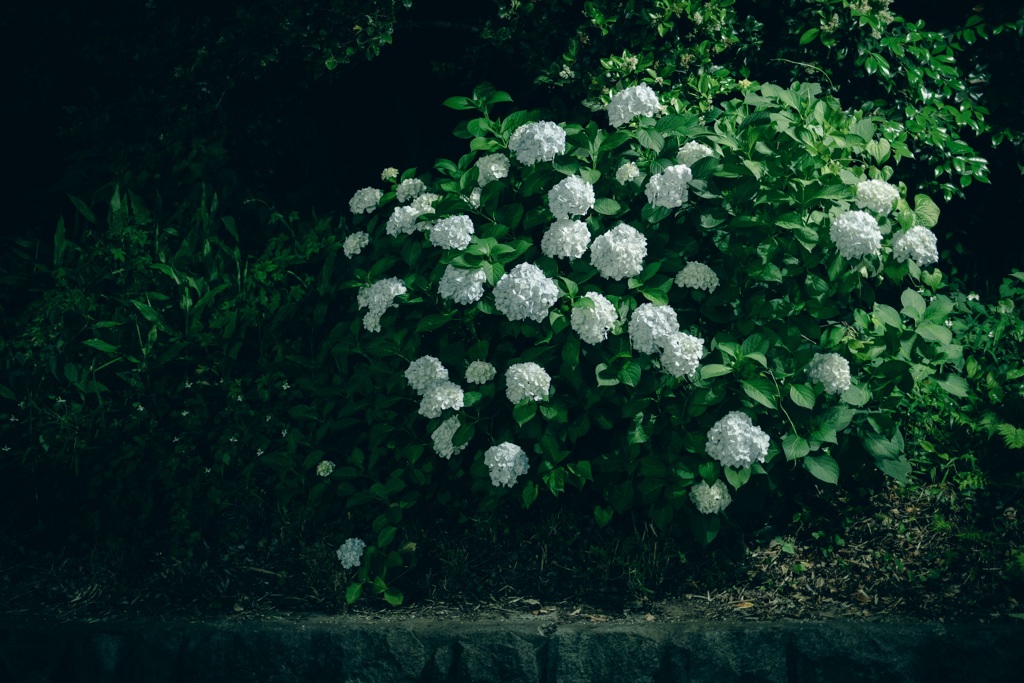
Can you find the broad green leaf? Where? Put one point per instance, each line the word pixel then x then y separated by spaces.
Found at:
pixel 607 206
pixel 935 333
pixel 823 467
pixel 802 395
pixel 353 592
pixel 651 139
pixel 856 395
pixel 432 322
pixel 879 446
pixel 926 210
pixel 393 596
pixel 630 374
pixel 954 385
pixel 737 478
pixel 897 468
pixel 604 381
pixel 386 536
pixel 530 492
pixel 761 390
pixel 714 370
pixel 795 447
pixel 101 345
pixel 888 316
pixel 524 411
pixel 459 103
pixel 809 35
pixel 913 304
pixel 603 515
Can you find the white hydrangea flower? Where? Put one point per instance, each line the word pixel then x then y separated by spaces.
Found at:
pixel 461 285
pixel 480 372
pixel 668 188
pixel 389 173
pixel 454 232
pixel 593 323
pixel 527 380
pixel 439 397
pixel 492 167
pixel 918 244
pixel 619 253
pixel 525 293
pixel 628 172
pixel 410 188
pixel 425 202
pixel 856 234
pixel 365 200
pixel 506 462
pixel 639 100
pixel 710 500
pixel 832 370
pixel 403 221
pixel 442 438
pixel 350 553
pixel 474 198
pixel 378 298
pixel 573 196
pixel 533 142
pixel 697 275
pixel 424 372
pixel 354 243
pixel 325 468
pixel 566 238
pixel 650 327
pixel 681 354
pixel 877 195
pixel 736 442
pixel 692 152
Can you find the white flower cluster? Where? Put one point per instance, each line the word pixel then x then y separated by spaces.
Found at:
pixel 650 327
pixel 628 172
pixel 877 195
pixel 668 188
pixel 379 297
pixel 325 468
pixel 473 199
pixel 856 234
pixel 681 354
pixel 832 370
pixel 506 462
pixel 525 292
pixel 593 323
pixel 350 553
pixel 918 244
pixel 692 152
pixel 410 188
pixel 389 173
pixel 480 372
pixel 527 380
pixel 354 243
pixel 441 396
pixel 461 285
pixel 442 438
pixel 424 372
pixel 365 200
pixel 425 202
pixel 697 275
pixel 619 253
pixel 492 167
pixel 403 220
pixel 736 442
pixel 454 232
pixel 533 142
pixel 573 196
pixel 710 500
pixel 639 100
pixel 566 238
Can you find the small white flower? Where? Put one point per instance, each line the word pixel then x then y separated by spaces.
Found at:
pixel 61 400
pixel 350 553
pixel 365 200
pixel 480 372
pixel 918 244
pixel 325 468
pixel 527 380
pixel 566 238
pixel 856 234
pixel 389 173
pixel 573 196
pixel 949 323
pixel 354 243
pixel 284 432
pixel 140 409
pixel 441 396
pixel 378 298
pixel 681 354
pixel 525 293
pixel 176 439
pixel 628 172
pixel 710 500
pixel 668 188
pixel 736 442
pixel 454 232
pixel 697 275
pixel 442 438
pixel 619 253
pixel 692 152
pixel 268 418
pixel 423 372
pixel 461 285
pixel 410 188
pixel 285 386
pixel 831 370
pixel 233 439
pixel 533 142
pixel 184 413
pixel 506 462
pixel 188 384
pixel 650 327
pixel 492 167
pixel 259 452
pixel 973 297
pixel 5 449
pixel 877 195
pixel 593 323
pixel 639 100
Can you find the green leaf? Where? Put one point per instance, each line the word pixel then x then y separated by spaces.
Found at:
pixel 101 345
pixel 856 395
pixel 888 316
pixel 802 395
pixel 607 206
pixel 761 390
pixel 935 333
pixel 630 374
pixel 926 210
pixel 897 468
pixel 603 515
pixel 714 370
pixel 954 385
pixel 604 381
pixel 795 447
pixel 809 35
pixel 524 411
pixel 459 103
pixel 879 446
pixel 737 478
pixel 386 536
pixel 393 596
pixel 651 139
pixel 353 592
pixel 823 467
pixel 913 304
pixel 83 209
pixel 530 493
pixel 432 322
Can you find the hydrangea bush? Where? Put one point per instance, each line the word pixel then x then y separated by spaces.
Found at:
pixel 661 306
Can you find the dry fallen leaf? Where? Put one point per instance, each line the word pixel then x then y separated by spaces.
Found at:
pixel 596 617
pixel 649 617
pixel 744 605
pixel 861 597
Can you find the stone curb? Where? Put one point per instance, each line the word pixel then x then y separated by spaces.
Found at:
pixel 538 651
